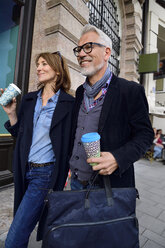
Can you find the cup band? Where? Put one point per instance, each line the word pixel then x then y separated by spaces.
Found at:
pixel 14 86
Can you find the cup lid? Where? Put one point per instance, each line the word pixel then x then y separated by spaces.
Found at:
pixel 89 137
pixel 16 87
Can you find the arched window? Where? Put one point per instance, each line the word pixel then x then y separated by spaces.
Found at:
pixel 103 15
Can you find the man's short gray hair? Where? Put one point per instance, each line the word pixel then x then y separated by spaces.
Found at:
pixel 104 38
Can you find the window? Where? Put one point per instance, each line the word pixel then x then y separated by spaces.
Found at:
pixel 9 27
pixel 103 14
pixel 160 85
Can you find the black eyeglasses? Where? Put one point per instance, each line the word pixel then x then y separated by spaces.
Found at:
pixel 87 48
pixel 59 54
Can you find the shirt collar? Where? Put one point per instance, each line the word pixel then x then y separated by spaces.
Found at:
pixel 54 97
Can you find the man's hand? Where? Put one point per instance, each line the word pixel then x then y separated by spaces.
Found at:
pixel 106 163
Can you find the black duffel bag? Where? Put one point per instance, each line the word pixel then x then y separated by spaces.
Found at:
pixel 92 218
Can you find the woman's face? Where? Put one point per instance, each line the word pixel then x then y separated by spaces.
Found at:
pixel 44 72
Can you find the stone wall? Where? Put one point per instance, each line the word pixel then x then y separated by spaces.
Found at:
pixel 57 27
pixel 131 21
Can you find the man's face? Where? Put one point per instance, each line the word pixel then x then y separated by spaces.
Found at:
pixel 94 61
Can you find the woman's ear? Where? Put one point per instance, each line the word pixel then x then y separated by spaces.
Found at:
pixel 57 73
pixel 56 77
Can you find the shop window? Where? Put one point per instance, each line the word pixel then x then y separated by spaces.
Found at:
pixel 9 27
pixel 160 85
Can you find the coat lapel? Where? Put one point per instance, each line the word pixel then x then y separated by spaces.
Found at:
pixel 30 102
pixel 62 108
pixel 108 101
pixel 28 106
pixel 78 102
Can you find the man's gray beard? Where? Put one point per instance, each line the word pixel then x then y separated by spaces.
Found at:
pixel 92 70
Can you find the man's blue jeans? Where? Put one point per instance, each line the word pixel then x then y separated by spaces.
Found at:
pixel 28 213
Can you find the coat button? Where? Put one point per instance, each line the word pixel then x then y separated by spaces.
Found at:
pixel 77 157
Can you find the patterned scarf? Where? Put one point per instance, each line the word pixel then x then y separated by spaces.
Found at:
pixel 91 91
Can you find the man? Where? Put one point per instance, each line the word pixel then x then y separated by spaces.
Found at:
pixel 115 108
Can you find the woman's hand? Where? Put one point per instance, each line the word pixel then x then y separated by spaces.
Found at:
pixel 10 109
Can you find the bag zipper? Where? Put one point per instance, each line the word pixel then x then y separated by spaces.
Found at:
pixel 93 223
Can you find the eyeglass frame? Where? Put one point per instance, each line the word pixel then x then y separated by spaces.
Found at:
pixel 82 47
pixel 59 54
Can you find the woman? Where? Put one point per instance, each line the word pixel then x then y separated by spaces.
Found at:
pixel 42 148
pixel 158 145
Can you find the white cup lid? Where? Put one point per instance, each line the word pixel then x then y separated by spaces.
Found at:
pixel 15 86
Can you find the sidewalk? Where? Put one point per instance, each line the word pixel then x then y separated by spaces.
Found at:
pixel 6 212
pixel 150 182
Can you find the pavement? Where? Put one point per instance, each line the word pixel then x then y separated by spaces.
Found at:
pixel 150 182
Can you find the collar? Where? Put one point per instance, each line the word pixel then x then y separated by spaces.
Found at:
pixel 53 98
pixel 63 96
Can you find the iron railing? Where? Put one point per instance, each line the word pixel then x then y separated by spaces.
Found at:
pixel 103 14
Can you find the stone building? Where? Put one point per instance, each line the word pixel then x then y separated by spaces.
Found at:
pixel 58 24
pixel 33 26
pixel 154 36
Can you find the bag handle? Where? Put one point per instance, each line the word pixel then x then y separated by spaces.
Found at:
pixel 108 190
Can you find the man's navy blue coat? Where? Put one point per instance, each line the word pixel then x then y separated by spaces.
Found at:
pixel 60 131
pixel 124 127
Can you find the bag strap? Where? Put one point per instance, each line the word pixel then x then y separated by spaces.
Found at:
pixel 108 190
pixel 107 186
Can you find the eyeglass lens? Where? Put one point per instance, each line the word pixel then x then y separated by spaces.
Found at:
pixel 87 48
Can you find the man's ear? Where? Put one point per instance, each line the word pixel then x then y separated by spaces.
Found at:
pixel 107 53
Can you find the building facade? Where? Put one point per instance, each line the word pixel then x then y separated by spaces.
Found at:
pixel 58 24
pixel 154 83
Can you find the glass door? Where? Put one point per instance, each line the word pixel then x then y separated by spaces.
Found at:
pixel 9 27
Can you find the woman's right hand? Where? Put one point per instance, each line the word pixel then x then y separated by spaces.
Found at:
pixel 10 109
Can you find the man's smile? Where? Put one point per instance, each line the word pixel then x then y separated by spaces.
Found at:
pixel 84 62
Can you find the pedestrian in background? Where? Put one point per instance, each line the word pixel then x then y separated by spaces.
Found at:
pixel 42 147
pixel 158 145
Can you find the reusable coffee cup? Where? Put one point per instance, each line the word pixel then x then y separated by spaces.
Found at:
pixel 91 143
pixel 11 92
